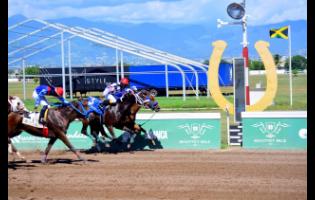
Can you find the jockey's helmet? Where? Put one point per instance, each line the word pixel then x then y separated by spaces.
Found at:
pixel 59 91
pixel 124 81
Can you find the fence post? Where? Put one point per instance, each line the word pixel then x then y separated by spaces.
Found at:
pixel 24 81
pixel 228 125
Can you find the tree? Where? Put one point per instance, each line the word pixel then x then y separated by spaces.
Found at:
pixel 256 65
pixel 276 58
pixel 298 63
pixel 33 70
pixel 206 62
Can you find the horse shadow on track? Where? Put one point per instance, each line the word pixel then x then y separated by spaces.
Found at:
pixel 19 165
pixel 63 161
pixel 141 143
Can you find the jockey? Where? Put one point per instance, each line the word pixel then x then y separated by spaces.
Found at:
pixel 112 89
pixel 42 90
pixel 94 105
pixel 39 95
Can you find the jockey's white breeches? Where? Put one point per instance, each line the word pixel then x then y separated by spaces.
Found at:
pixel 111 98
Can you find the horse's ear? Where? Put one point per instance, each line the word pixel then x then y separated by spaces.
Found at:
pixel 153 92
pixel 10 98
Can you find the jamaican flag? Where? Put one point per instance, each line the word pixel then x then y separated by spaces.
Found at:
pixel 279 33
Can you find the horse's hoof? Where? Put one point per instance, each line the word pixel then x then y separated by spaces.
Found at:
pixel 44 162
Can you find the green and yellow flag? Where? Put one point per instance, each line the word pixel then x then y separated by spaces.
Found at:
pixel 279 33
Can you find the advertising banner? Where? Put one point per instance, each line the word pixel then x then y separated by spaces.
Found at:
pixel 275 130
pixel 173 131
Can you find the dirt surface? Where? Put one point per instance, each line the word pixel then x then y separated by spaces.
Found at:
pixel 160 174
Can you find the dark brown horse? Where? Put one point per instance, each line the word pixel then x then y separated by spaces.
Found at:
pixel 57 122
pixel 123 115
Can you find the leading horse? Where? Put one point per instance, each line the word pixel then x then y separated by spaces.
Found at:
pixel 57 121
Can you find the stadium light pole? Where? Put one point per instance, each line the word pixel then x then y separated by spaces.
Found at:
pixel 63 65
pixel 237 11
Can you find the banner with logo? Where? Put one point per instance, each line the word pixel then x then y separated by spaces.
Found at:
pixel 275 130
pixel 185 130
pixel 173 131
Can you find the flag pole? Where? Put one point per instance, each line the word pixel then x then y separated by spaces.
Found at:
pixel 290 66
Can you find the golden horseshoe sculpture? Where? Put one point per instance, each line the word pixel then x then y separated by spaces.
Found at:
pixel 213 71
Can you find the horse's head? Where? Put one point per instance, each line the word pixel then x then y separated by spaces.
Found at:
pixel 148 99
pixel 15 104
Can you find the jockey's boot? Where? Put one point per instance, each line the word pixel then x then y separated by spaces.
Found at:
pixel 112 103
pixel 41 115
pixel 103 104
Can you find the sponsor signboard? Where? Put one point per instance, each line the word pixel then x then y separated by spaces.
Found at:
pixel 173 130
pixel 275 130
pixel 185 130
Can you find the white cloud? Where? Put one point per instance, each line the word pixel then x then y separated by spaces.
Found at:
pixel 274 11
pixel 181 11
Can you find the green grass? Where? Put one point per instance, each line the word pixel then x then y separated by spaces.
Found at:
pixel 205 104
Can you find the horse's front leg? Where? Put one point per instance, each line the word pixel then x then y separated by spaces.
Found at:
pixel 62 136
pixel 13 150
pixel 48 148
pixel 148 136
pixel 111 131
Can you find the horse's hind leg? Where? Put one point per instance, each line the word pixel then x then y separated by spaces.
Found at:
pixel 62 136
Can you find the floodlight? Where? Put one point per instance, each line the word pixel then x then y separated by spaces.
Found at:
pixel 236 11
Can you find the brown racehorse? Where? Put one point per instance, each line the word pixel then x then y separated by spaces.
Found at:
pixel 123 115
pixel 15 104
pixel 58 121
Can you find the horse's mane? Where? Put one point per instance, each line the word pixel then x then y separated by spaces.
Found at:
pixel 129 98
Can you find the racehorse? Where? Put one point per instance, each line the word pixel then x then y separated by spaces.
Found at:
pixel 123 115
pixel 15 104
pixel 57 121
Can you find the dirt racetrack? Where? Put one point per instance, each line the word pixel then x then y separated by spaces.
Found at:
pixel 162 174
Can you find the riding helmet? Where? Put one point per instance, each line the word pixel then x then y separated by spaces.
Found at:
pixel 124 81
pixel 59 91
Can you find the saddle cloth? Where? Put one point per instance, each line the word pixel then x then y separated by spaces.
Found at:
pixel 32 120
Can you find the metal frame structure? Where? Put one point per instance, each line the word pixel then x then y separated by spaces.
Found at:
pixel 109 40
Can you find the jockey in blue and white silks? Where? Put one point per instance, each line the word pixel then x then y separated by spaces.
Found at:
pixel 94 105
pixel 41 91
pixel 115 91
pixel 114 88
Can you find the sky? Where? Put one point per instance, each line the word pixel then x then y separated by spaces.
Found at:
pixel 259 12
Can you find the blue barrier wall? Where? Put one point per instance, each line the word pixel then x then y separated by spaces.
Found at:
pixel 153 76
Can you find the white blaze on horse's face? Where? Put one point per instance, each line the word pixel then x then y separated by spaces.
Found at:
pixel 17 104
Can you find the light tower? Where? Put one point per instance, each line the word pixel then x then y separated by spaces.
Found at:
pixel 237 12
